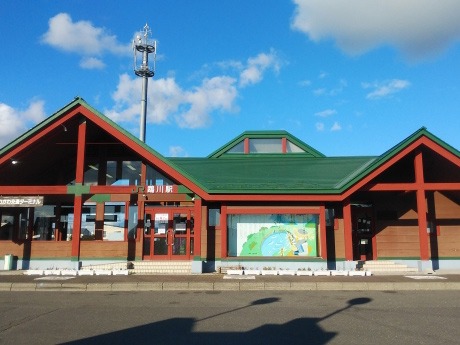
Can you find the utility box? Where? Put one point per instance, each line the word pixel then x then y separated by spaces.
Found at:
pixel 8 262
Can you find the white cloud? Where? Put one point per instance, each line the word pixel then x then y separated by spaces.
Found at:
pixel 384 89
pixel 83 38
pixel 326 113
pixel 319 126
pixel 418 28
pixel 189 108
pixel 336 127
pixel 91 63
pixel 253 72
pixel 168 101
pixel 14 122
pixel 177 151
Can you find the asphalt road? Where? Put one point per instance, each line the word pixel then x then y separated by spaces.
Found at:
pixel 237 318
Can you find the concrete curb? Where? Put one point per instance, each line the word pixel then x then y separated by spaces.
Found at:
pixel 230 286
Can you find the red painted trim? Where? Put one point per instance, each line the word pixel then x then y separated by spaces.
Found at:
pixel 33 190
pixel 81 153
pixel 78 204
pixel 246 145
pixel 411 186
pixel 223 232
pixel 322 232
pixel 410 148
pixel 197 230
pixel 274 210
pixel 421 207
pixel 283 145
pixel 347 228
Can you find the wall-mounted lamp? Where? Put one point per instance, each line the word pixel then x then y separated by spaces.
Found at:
pixel 14 161
pixel 65 128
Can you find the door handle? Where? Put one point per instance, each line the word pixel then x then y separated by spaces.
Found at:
pixel 167 238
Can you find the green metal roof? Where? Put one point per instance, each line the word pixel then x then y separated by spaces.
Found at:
pixel 275 175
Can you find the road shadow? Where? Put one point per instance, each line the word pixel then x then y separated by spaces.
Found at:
pixel 298 331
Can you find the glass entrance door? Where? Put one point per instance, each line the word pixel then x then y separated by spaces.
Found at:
pixel 168 234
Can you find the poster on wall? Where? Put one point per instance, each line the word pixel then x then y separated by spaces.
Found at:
pixel 276 239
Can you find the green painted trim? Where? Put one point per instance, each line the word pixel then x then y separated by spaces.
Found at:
pixel 100 198
pixel 270 259
pixel 198 258
pixel 105 258
pixel 78 189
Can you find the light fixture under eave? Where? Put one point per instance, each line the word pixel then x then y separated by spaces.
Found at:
pixel 14 161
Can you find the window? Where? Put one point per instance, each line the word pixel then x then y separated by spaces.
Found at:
pixel 238 148
pixel 293 148
pixel 44 223
pixel 114 222
pixel 272 235
pixel 265 145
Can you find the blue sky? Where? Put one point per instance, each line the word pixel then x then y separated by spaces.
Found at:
pixel 348 77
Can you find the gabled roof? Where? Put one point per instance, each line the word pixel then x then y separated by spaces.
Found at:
pixel 309 173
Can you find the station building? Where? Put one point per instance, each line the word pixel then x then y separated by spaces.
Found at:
pixel 78 190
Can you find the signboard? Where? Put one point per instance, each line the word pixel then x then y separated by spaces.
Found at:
pixel 161 189
pixel 21 201
pixel 161 222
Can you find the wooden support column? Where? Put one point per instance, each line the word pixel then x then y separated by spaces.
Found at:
pixel 78 198
pixel 197 230
pixel 347 228
pixel 223 233
pixel 421 206
pixel 322 232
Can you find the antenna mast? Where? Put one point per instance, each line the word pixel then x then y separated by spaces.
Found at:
pixel 143 45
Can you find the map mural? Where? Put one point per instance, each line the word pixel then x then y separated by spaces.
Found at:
pixel 285 239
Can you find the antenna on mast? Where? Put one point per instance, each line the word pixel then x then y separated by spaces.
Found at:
pixel 143 45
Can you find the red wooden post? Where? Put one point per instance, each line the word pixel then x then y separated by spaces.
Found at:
pixel 421 207
pixel 78 199
pixel 322 232
pixel 197 230
pixel 347 228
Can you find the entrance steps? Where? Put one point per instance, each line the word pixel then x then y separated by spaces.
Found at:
pixel 384 267
pixel 146 267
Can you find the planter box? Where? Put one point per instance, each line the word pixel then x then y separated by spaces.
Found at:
pixel 120 272
pixel 269 272
pixel 103 272
pixel 68 272
pixel 235 272
pixel 85 272
pixel 357 273
pixel 322 273
pixel 252 272
pixel 304 273
pixel 339 273
pixel 34 272
pixel 286 272
pixel 52 272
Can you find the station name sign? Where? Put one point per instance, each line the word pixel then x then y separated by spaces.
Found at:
pixel 160 189
pixel 21 201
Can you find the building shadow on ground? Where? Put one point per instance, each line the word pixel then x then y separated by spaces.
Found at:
pixel 298 331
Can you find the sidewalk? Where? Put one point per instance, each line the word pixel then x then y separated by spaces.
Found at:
pixel 17 281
